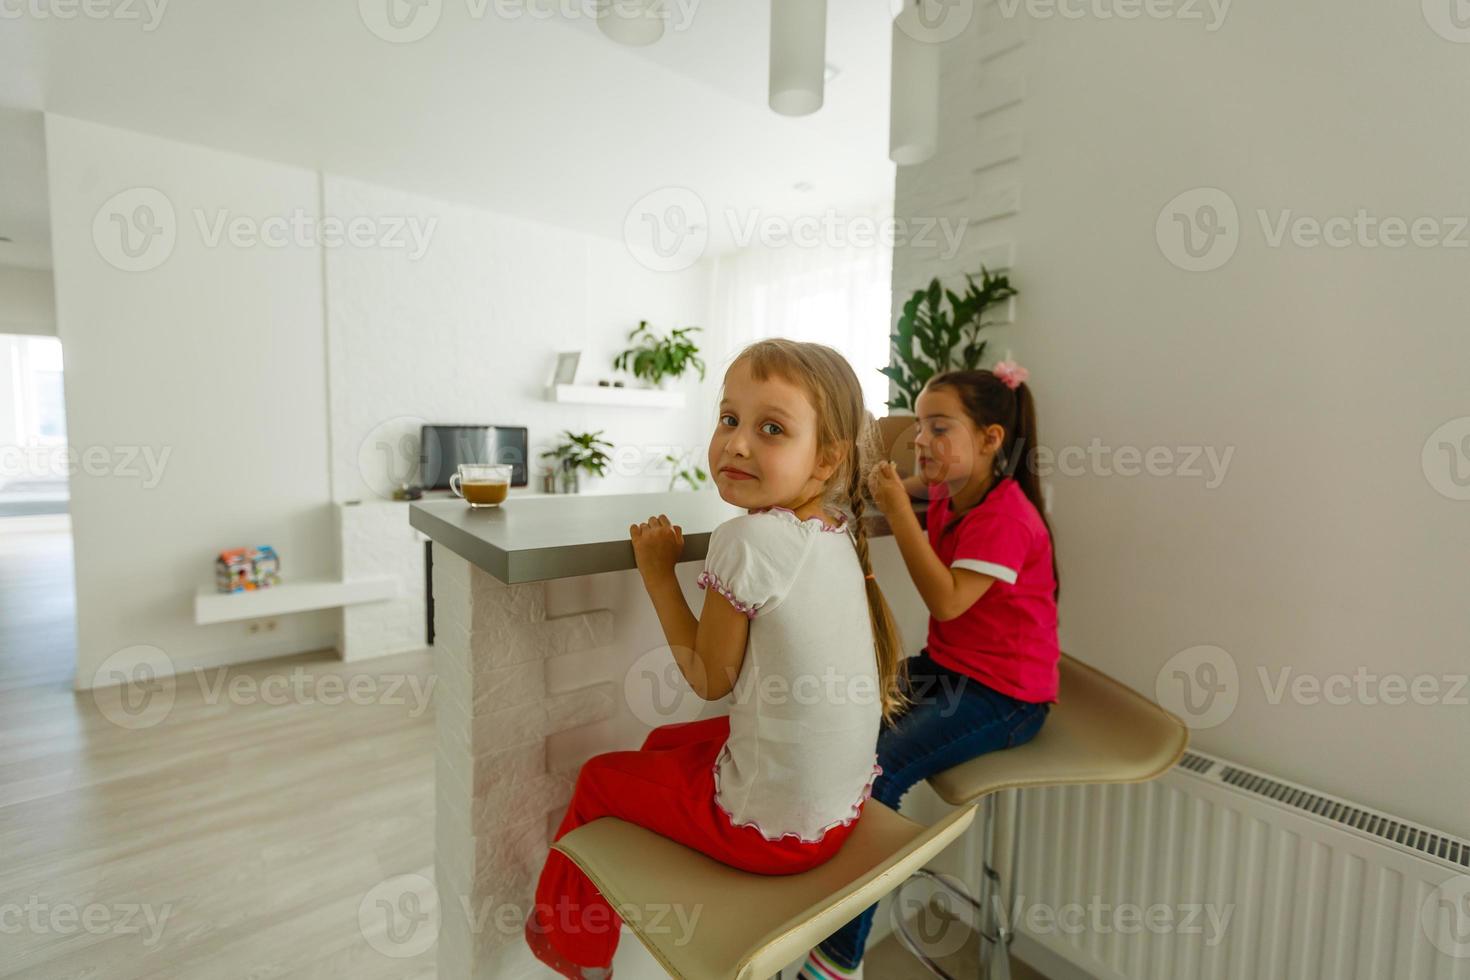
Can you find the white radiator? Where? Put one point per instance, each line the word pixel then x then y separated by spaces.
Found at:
pixel 1238 876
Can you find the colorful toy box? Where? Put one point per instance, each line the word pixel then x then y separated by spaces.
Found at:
pixel 247 569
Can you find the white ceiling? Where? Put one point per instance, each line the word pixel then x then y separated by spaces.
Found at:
pixel 498 105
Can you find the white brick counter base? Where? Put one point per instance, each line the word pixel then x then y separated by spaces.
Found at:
pixel 494 795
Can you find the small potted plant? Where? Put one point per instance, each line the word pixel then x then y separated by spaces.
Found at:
pixel 578 452
pixel 659 359
pixel 695 476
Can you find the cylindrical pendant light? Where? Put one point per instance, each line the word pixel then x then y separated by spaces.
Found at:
pixel 798 55
pixel 631 22
pixel 913 120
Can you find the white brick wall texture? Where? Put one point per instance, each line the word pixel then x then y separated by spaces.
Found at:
pixel 495 797
pixel 975 175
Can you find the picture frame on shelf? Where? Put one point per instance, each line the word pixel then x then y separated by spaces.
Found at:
pixel 566 367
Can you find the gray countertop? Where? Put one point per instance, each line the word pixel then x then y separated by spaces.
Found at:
pixel 529 539
pixel 533 538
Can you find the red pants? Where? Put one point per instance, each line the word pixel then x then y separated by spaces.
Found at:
pixel 667 786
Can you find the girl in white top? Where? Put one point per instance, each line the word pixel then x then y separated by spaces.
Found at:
pixel 793 627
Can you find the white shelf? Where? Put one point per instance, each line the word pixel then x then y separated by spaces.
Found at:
pixel 601 395
pixel 211 606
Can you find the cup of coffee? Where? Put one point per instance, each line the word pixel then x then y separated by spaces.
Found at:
pixel 481 484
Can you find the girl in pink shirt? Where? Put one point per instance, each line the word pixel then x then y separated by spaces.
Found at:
pixel 984 566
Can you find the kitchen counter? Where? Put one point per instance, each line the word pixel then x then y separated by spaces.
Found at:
pixel 500 786
pixel 535 538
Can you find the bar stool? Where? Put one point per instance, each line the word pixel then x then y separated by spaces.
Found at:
pixel 1099 731
pixel 750 925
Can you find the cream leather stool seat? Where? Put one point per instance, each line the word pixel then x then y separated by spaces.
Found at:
pixel 749 925
pixel 1099 731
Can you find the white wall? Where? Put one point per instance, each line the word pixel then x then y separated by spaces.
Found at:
pixel 266 380
pixel 469 330
pixel 215 357
pixel 1326 549
pixel 26 303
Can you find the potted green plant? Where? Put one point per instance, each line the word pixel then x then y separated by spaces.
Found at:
pixel 656 359
pixel 937 332
pixel 578 452
pixel 695 477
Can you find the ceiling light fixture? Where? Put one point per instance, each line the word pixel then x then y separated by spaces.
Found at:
pixel 798 55
pixel 913 113
pixel 632 22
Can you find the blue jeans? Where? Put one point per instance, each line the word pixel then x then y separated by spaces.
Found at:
pixel 954 718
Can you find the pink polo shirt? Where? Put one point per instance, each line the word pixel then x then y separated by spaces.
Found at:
pixel 1008 638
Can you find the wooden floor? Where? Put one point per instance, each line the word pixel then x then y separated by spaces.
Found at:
pixel 233 838
pixel 250 831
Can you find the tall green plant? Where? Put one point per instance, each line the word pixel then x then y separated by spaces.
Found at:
pixel 654 358
pixel 924 341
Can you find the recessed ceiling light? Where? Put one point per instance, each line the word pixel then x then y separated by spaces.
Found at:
pixel 832 72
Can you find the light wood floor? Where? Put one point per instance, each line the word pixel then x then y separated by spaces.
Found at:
pixel 250 832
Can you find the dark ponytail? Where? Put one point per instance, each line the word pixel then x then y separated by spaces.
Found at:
pixel 990 401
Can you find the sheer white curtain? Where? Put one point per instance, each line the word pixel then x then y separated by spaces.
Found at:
pixel 833 293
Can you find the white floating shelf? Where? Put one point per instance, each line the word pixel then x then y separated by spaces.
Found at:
pixel 211 606
pixel 608 395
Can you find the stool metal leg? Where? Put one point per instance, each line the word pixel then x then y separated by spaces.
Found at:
pixel 998 863
pixel 998 875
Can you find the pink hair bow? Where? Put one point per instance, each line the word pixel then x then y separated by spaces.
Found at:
pixel 1011 373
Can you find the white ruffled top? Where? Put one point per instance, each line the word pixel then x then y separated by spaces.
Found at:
pixel 805 711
